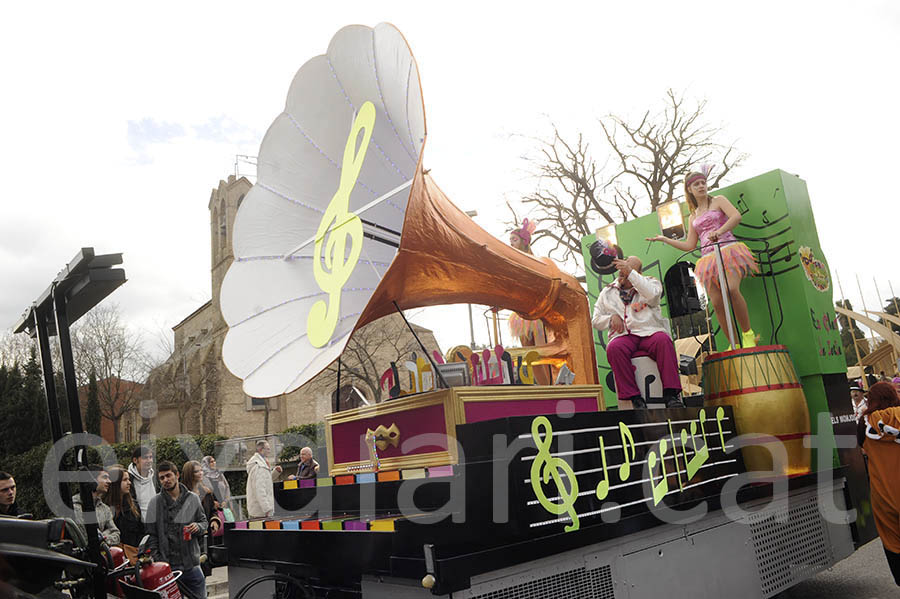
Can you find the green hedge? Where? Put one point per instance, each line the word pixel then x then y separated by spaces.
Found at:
pixel 28 467
pixel 310 432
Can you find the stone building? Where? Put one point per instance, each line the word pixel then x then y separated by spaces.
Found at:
pixel 193 392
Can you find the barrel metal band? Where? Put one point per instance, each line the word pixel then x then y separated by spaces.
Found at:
pixel 744 351
pixel 746 390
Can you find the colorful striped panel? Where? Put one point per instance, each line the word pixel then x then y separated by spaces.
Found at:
pixel 272 525
pixel 347 479
pixel 413 473
pixel 290 484
pixel 383 525
pixel 256 525
pixel 390 475
pixel 323 482
pixel 309 525
pixel 291 525
pixel 366 477
pixel 306 483
pixel 242 525
pixel 356 525
pixel 440 471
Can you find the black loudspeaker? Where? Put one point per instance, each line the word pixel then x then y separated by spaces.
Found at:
pixel 681 290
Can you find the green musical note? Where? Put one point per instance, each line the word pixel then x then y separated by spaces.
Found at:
pixel 603 485
pixel 625 468
pixel 720 416
pixel 700 455
pixel 545 467
pixel 675 453
pixel 662 487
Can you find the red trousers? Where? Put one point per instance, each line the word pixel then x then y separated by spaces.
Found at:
pixel 658 346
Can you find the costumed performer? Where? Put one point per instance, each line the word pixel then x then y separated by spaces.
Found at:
pixel 712 220
pixel 529 332
pixel 629 308
pixel 878 434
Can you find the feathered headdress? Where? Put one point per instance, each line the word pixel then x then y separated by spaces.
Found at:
pixel 703 173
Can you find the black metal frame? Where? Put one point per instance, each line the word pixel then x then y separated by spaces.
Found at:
pixel 82 284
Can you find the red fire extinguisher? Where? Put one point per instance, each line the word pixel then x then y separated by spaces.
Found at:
pixel 118 566
pixel 157 576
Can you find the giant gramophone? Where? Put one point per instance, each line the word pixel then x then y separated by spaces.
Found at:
pixel 345 226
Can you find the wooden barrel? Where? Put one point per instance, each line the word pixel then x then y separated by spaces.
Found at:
pixel 762 386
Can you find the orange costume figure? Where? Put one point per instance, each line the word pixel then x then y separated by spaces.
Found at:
pixel 879 436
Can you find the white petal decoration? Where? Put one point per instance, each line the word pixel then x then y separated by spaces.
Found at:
pixel 333 179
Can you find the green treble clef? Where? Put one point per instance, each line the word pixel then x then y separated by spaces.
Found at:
pixel 546 466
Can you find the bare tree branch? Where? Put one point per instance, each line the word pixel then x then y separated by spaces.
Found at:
pixel 102 342
pixel 646 165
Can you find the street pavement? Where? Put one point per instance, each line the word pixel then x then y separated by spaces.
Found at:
pixel 863 575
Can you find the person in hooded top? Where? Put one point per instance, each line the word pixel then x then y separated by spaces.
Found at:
pixel 144 485
pixel 878 433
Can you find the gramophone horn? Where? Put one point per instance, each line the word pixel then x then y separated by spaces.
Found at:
pixel 342 223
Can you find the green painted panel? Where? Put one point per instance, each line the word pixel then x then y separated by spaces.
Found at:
pixel 791 305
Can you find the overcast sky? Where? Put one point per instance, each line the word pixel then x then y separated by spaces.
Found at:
pixel 117 122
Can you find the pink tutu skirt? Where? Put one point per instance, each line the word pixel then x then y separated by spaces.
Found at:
pixel 737 258
pixel 526 330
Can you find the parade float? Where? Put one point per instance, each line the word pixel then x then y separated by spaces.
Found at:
pixel 484 484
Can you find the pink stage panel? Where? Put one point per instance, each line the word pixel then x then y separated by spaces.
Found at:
pixel 348 438
pixel 478 411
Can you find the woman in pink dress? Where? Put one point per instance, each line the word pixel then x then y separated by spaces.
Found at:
pixel 711 222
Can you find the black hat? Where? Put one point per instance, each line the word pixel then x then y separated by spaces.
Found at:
pixel 602 255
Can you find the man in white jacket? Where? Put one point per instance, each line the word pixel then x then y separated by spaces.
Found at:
pixel 260 494
pixel 629 308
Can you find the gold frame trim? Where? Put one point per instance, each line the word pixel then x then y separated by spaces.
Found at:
pixel 454 402
pixel 423 400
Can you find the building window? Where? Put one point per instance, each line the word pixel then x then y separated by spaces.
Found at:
pixel 350 398
pixel 223 228
pixel 259 403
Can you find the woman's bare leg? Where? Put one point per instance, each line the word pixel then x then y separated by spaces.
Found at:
pixel 715 296
pixel 738 303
